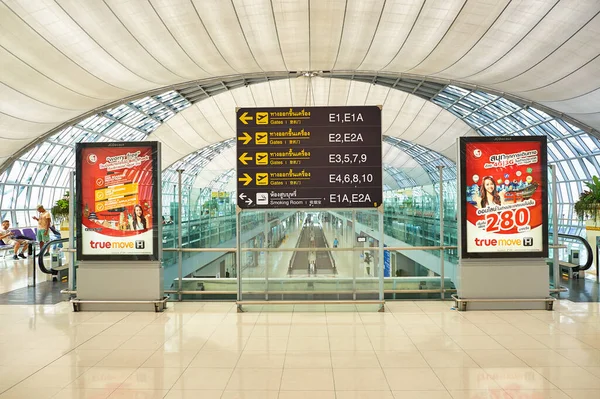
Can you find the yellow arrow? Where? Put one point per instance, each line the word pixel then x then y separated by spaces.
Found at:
pixel 246 138
pixel 243 158
pixel 245 118
pixel 246 179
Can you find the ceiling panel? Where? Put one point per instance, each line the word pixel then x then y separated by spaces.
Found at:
pixel 65 59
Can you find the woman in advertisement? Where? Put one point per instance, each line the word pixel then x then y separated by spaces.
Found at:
pixel 139 222
pixel 488 193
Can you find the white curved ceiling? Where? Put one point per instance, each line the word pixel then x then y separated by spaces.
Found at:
pixel 405 116
pixel 62 58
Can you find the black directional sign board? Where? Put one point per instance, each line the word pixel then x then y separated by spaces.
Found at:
pixel 310 157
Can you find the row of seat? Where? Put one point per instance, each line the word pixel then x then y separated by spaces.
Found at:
pixel 30 233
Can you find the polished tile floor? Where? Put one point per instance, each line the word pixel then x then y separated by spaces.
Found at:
pixel 581 289
pixel 44 293
pixel 416 350
pixel 14 273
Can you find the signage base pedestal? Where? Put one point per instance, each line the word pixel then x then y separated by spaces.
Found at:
pixel 110 281
pixel 508 282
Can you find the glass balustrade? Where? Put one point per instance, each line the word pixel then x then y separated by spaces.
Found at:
pixel 325 254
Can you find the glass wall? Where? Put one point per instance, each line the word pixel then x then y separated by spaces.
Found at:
pixel 575 153
pixel 41 175
pixel 208 223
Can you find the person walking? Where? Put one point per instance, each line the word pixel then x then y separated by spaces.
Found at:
pixel 367 261
pixel 44 221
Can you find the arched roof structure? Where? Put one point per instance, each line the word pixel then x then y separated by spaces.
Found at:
pixel 114 70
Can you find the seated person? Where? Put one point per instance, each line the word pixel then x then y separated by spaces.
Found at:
pixel 8 238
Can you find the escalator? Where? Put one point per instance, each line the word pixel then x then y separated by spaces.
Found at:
pixel 572 270
pixel 58 271
pixel 579 270
pixel 311 236
pixel 299 261
pixel 324 260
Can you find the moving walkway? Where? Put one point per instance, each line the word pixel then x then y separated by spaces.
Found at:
pixel 313 263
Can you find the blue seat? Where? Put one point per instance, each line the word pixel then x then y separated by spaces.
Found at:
pixel 29 233
pixel 5 248
pixel 16 232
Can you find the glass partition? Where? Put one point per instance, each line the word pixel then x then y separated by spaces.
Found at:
pixel 170 269
pixel 367 262
pixel 313 255
pixel 215 280
pixel 317 255
pixel 207 223
pixel 313 271
pixel 412 219
pixel 303 255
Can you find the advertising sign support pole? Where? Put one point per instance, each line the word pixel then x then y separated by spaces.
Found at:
pixel 266 232
pixel 71 231
pixel 381 266
pixel 179 240
pixel 351 235
pixel 442 274
pixel 238 254
pixel 555 262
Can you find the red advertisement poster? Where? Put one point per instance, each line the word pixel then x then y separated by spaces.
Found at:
pixel 504 197
pixel 116 199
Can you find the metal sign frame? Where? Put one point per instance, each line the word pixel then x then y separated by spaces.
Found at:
pixel 156 207
pixel 298 168
pixel 462 197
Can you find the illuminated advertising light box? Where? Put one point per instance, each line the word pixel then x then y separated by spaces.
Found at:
pixel 503 197
pixel 117 201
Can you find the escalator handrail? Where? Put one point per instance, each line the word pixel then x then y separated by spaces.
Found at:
pixel 588 248
pixel 43 251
